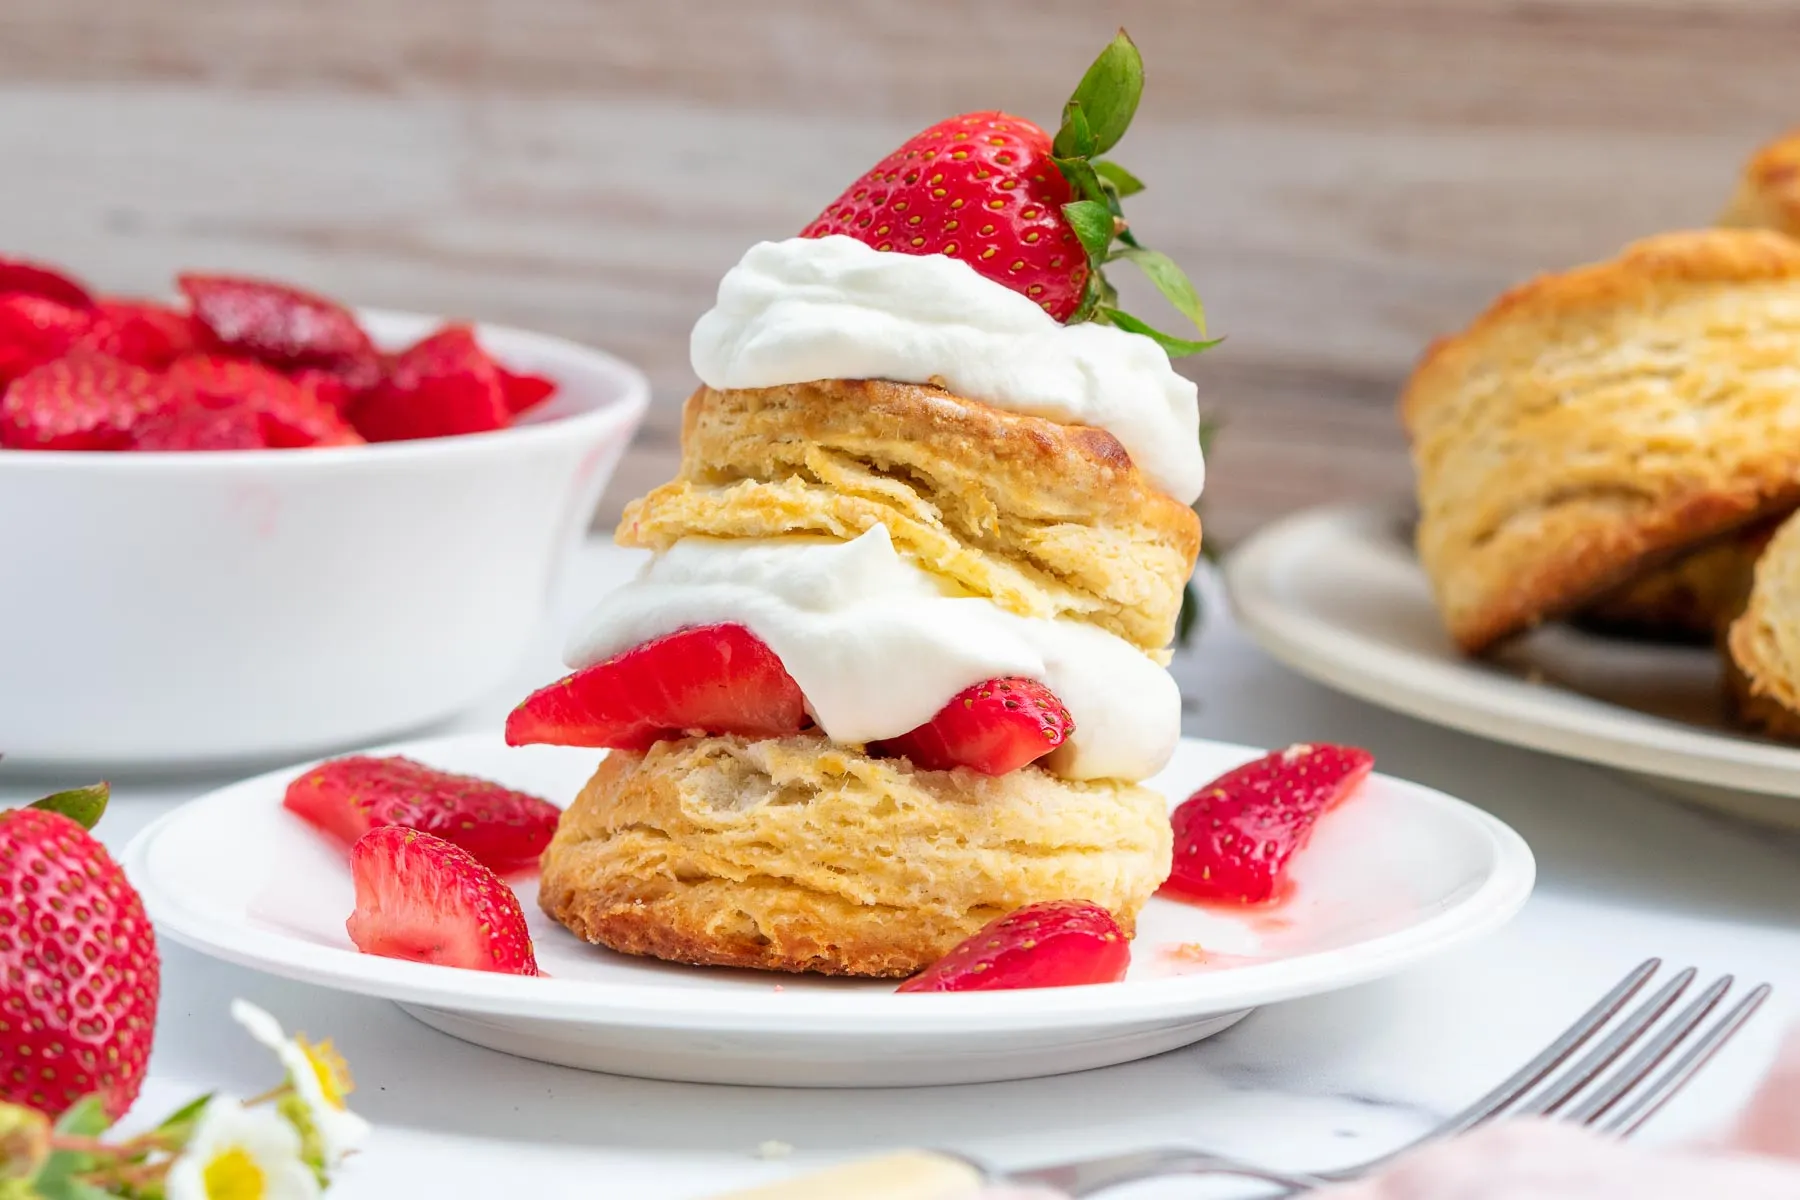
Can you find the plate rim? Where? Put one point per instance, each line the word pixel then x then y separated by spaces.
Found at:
pixel 1509 882
pixel 1443 690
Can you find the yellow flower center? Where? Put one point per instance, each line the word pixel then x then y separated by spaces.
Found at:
pixel 333 1072
pixel 233 1175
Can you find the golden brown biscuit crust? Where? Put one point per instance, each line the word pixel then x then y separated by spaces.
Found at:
pixel 1046 519
pixel 1768 194
pixel 1689 600
pixel 1594 423
pixel 1763 644
pixel 795 854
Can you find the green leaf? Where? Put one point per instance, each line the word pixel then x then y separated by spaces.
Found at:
pixel 1081 176
pixel 85 1118
pixel 1074 139
pixel 1175 347
pixel 81 805
pixel 1170 280
pixel 1093 224
pixel 1123 181
pixel 181 1121
pixel 1109 93
pixel 69 1188
pixel 1190 616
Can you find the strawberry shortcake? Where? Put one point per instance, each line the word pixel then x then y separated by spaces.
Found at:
pixel 896 666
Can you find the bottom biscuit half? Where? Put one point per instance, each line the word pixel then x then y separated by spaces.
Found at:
pixel 796 854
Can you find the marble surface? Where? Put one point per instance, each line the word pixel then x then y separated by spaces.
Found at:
pixel 1624 874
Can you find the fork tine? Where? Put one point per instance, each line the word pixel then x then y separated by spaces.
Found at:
pixel 1663 1089
pixel 1666 1041
pixel 1564 1087
pixel 1554 1055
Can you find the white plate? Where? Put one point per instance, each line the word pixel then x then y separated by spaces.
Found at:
pixel 1337 594
pixel 1398 874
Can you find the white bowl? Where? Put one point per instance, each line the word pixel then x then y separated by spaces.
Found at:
pixel 168 610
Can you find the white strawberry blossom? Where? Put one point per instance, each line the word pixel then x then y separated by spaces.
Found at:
pixel 319 1077
pixel 240 1153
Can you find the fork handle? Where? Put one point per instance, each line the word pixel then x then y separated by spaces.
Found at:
pixel 907 1175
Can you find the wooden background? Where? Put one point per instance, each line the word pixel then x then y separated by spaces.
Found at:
pixel 1344 178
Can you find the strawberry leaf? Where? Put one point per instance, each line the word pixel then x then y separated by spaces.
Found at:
pixel 180 1123
pixel 1175 347
pixel 1092 222
pixel 81 805
pixel 1108 95
pixel 1075 139
pixel 1170 281
pixel 86 1118
pixel 1124 182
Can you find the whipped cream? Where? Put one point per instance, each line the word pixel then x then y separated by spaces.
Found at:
pixel 832 308
pixel 879 646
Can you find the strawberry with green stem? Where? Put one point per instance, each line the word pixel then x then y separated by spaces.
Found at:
pixel 1038 214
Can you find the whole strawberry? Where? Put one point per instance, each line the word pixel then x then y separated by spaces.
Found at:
pixel 78 960
pixel 1036 214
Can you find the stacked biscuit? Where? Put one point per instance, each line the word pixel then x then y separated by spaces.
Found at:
pixel 802 853
pixel 1621 443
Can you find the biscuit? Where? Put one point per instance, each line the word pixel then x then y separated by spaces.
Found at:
pixel 1594 423
pixel 1047 520
pixel 1768 192
pixel 1763 645
pixel 796 854
pixel 1690 600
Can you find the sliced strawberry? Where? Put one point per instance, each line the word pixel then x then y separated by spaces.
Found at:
pixel 139 332
pixel 439 387
pixel 82 403
pixel 191 427
pixel 715 679
pixel 327 387
pixel 1235 836
pixel 36 279
pixel 35 330
pixel 347 797
pixel 423 899
pixel 1059 943
pixel 993 727
pixel 280 325
pixel 524 392
pixel 289 416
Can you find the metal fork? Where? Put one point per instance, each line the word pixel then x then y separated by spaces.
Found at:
pixel 1585 1093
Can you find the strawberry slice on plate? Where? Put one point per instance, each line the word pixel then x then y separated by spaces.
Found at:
pixel 442 386
pixel 1059 943
pixel 1235 837
pixel 80 403
pixel 18 275
pixel 992 727
pixel 713 679
pixel 347 797
pixel 423 899
pixel 192 427
pixel 283 326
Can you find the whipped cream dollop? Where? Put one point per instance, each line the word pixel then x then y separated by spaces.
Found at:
pixel 832 308
pixel 878 645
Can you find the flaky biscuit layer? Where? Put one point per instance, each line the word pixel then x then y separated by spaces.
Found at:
pixel 795 854
pixel 1048 520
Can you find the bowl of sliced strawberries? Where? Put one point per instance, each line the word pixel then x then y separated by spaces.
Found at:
pixel 254 523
